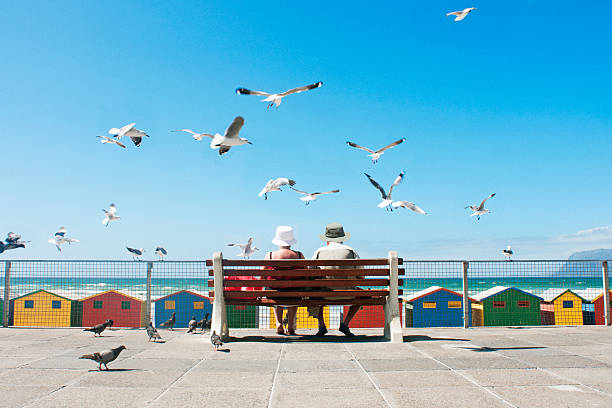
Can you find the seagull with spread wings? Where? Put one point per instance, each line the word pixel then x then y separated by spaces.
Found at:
pixel 60 238
pixel 12 241
pixel 375 155
pixel 230 137
pixel 308 197
pixel 111 215
pixel 247 249
pixel 478 210
pixel 409 205
pixel 108 140
pixel 135 252
pixel 196 136
pixel 386 197
pixel 129 131
pixel 460 15
pixel 275 185
pixel 277 98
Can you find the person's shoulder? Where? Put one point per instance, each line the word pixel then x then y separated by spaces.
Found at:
pixel 316 252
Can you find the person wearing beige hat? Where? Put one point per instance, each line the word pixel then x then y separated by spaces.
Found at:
pixel 284 239
pixel 335 237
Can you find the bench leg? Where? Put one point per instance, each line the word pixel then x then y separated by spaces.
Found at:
pixel 219 314
pixel 393 323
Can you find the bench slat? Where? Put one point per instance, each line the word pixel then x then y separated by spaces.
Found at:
pixel 302 283
pixel 307 272
pixel 306 302
pixel 308 293
pixel 302 262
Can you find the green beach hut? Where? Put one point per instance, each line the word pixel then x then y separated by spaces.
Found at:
pixel 507 306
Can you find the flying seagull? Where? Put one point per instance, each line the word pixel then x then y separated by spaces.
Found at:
pixel 247 249
pixel 12 241
pixel 460 15
pixel 152 333
pixel 275 185
pixel 60 238
pixel 478 210
pixel 277 98
pixel 193 324
pixel 375 155
pixel 129 131
pixel 108 140
pixel 386 197
pixel 215 340
pixel 161 252
pixel 308 197
pixel 99 328
pixel 409 205
pixel 230 137
pixel 111 215
pixel 170 322
pixel 104 357
pixel 135 252
pixel 196 136
pixel 508 253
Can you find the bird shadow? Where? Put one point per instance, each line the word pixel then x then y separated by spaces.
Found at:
pixel 160 341
pixel 115 370
pixel 225 350
pixel 494 349
pixel 412 338
pixel 330 338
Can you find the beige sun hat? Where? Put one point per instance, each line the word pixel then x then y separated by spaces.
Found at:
pixel 284 236
pixel 334 232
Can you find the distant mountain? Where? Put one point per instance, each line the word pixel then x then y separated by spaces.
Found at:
pixel 580 265
pixel 601 254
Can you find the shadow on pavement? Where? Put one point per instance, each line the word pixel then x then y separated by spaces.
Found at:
pixel 411 338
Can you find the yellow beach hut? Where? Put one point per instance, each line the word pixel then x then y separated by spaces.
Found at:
pixel 568 309
pixel 41 308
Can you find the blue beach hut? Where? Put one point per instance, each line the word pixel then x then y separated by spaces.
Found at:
pixel 436 307
pixel 185 304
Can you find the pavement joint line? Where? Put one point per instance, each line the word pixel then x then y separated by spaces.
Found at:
pixel 280 357
pixel 458 372
pixel 368 375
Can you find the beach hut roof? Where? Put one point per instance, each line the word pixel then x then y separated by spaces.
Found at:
pixel 46 291
pixel 600 295
pixel 572 292
pixel 192 292
pixel 130 295
pixel 497 290
pixel 429 291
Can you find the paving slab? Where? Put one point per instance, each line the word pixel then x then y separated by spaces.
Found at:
pixel 225 398
pixel 442 397
pixel 483 361
pixel 418 379
pixel 97 396
pixel 553 396
pixel 40 377
pixel 317 380
pixel 206 379
pixel 338 398
pixel 515 377
pixel 585 375
pixel 298 366
pixel 18 395
pixel 404 364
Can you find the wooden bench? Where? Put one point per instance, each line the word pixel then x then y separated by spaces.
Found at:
pixel 378 280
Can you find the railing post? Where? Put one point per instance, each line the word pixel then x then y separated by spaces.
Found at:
pixel 393 324
pixel 606 293
pixel 148 310
pixel 219 315
pixel 7 293
pixel 466 302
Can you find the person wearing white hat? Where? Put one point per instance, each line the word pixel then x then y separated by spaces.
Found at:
pixel 284 239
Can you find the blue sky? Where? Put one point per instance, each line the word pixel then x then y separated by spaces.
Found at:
pixel 514 100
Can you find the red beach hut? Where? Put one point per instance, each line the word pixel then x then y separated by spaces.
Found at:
pixel 599 308
pixel 124 310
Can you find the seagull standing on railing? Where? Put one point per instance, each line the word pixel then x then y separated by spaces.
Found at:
pixel 277 98
pixel 460 15
pixel 478 210
pixel 161 252
pixel 135 252
pixel 129 131
pixel 375 155
pixel 60 238
pixel 308 197
pixel 111 215
pixel 508 253
pixel 275 185
pixel 108 140
pixel 247 249
pixel 12 241
pixel 386 197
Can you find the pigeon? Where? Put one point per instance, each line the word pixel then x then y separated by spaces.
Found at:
pixel 205 323
pixel 247 249
pixel 108 140
pixel 460 15
pixel 375 155
pixel 409 205
pixel 170 322
pixel 478 210
pixel 129 131
pixel 135 252
pixel 215 340
pixel 275 185
pixel 12 241
pixel 277 98
pixel 193 324
pixel 386 197
pixel 152 333
pixel 196 136
pixel 99 328
pixel 111 215
pixel 104 357
pixel 161 252
pixel 230 137
pixel 308 197
pixel 60 238
pixel 508 253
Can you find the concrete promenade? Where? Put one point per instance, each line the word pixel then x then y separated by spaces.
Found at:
pixel 483 367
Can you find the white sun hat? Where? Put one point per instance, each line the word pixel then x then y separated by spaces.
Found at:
pixel 284 236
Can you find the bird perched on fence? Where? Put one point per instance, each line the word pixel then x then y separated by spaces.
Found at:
pixel 152 333
pixel 215 340
pixel 375 155
pixel 247 249
pixel 135 252
pixel 170 322
pixel 386 197
pixel 12 241
pixel 205 323
pixel 275 185
pixel 277 98
pixel 129 131
pixel 99 328
pixel 460 15
pixel 308 197
pixel 192 325
pixel 478 210
pixel 508 252
pixel 104 357
pixel 111 215
pixel 161 252
pixel 60 238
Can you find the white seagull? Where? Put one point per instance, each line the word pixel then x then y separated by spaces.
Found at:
pixel 161 252
pixel 135 252
pixel 277 98
pixel 275 185
pixel 386 197
pixel 478 210
pixel 12 241
pixel 230 137
pixel 111 215
pixel 60 238
pixel 129 131
pixel 460 15
pixel 375 155
pixel 108 140
pixel 508 253
pixel 247 249
pixel 308 197
pixel 196 136
pixel 409 205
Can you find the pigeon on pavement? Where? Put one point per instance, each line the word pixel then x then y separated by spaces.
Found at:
pixel 152 333
pixel 104 357
pixel 215 340
pixel 99 328
pixel 193 323
pixel 170 322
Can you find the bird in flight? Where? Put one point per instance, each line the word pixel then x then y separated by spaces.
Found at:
pixel 460 15
pixel 196 136
pixel 12 241
pixel 129 131
pixel 247 249
pixel 60 238
pixel 308 197
pixel 375 155
pixel 111 215
pixel 478 210
pixel 386 197
pixel 508 252
pixel 161 252
pixel 108 140
pixel 277 98
pixel 275 185
pixel 135 252
pixel 230 137
pixel 409 205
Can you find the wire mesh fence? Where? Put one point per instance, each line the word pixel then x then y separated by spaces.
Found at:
pixel 131 293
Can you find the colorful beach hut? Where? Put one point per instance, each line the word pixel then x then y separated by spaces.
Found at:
pixel 122 309
pixel 372 316
pixel 598 302
pixel 436 307
pixel 44 309
pixel 568 307
pixel 185 304
pixel 506 306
